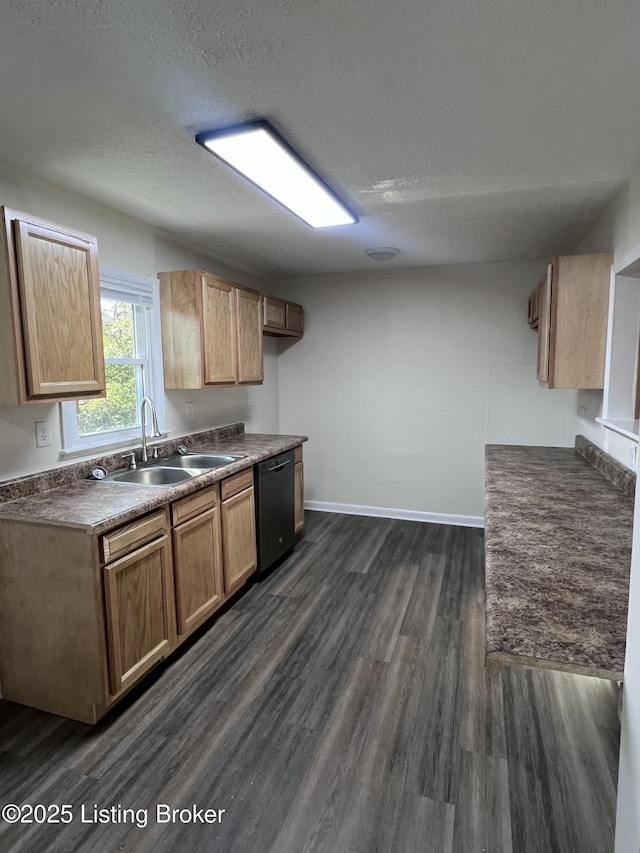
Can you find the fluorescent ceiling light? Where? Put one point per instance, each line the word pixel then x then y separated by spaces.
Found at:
pixel 256 151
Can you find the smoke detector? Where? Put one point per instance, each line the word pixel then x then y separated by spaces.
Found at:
pixel 382 253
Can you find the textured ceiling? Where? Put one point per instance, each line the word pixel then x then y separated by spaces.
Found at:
pixel 457 130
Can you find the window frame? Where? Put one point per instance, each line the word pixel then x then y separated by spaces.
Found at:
pixel 129 287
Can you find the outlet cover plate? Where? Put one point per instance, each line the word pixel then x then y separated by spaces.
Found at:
pixel 43 436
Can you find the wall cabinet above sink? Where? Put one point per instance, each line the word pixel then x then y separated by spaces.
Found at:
pixel 211 331
pixel 50 324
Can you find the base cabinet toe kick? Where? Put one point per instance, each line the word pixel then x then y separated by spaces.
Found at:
pixel 83 618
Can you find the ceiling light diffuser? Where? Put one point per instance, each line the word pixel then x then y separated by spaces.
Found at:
pixel 258 153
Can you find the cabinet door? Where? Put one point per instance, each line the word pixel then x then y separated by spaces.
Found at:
pixel 299 497
pixel 197 554
pixel 544 327
pixel 249 313
pixel 218 331
pixel 579 313
pixel 238 539
pixel 140 612
pixel 60 304
pixel 294 318
pixel 534 310
pixel 274 313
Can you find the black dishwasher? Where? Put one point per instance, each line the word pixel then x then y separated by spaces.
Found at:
pixel 275 508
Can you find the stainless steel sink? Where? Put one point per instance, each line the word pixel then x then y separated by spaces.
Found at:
pixel 209 461
pixel 155 475
pixel 170 470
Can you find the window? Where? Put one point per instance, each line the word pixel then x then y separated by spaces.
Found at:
pixel 620 406
pixel 133 365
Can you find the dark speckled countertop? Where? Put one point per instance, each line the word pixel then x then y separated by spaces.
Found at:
pixel 63 497
pixel 558 554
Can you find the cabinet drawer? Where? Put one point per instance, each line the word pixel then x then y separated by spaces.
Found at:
pixel 132 536
pixel 298 453
pixel 193 505
pixel 237 483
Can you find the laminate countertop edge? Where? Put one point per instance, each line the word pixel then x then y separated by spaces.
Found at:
pixel 97 507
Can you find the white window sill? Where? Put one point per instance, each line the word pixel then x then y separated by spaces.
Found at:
pixel 628 428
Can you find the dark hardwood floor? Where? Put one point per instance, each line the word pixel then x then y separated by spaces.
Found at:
pixel 340 705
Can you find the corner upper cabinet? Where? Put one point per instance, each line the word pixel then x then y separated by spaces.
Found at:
pixel 50 323
pixel 281 317
pixel 211 331
pixel 569 310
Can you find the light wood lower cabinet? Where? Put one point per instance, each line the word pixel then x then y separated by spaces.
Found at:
pixel 139 607
pixel 197 555
pixel 83 618
pixel 238 532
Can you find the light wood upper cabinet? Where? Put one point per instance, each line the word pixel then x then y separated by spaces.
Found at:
pixel 295 318
pixel 50 324
pixel 275 318
pixel 280 317
pixel 249 332
pixel 211 331
pixel 218 331
pixel 543 299
pixel 533 313
pixel 569 310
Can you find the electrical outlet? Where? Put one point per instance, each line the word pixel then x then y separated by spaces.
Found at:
pixel 249 400
pixel 43 436
pixel 188 412
pixel 633 453
pixel 583 412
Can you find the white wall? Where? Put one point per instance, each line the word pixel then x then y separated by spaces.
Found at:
pixel 619 231
pixel 628 811
pixel 132 245
pixel 403 376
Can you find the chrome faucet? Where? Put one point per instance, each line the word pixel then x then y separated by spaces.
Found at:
pixel 155 431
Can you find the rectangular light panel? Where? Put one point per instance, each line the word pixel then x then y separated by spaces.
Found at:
pixel 256 151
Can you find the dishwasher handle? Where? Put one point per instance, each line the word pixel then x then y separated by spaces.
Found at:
pixel 280 466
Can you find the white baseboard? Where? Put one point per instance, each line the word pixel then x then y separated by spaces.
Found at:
pixel 404 514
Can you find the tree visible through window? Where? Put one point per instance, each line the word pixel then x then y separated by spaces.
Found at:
pixel 124 372
pixel 133 357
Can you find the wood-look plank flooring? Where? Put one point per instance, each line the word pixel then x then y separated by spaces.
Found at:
pixel 340 705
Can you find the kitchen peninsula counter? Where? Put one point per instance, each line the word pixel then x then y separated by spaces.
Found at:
pixel 558 554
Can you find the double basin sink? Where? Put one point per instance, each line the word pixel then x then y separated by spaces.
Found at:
pixel 171 470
